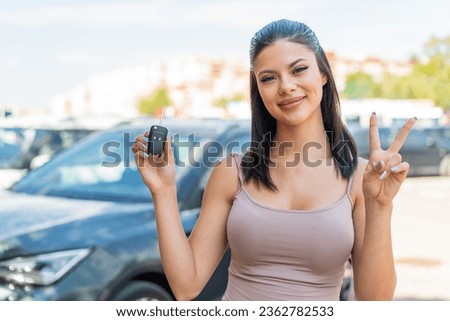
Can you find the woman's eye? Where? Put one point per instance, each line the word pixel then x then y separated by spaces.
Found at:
pixel 267 78
pixel 300 69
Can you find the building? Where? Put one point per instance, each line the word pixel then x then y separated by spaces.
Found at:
pixel 193 83
pixel 390 112
pixel 372 66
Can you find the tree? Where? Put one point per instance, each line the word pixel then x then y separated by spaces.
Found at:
pixel 360 85
pixel 428 80
pixel 158 99
pixel 223 102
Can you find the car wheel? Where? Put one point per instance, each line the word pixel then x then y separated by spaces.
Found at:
pixel 444 166
pixel 142 291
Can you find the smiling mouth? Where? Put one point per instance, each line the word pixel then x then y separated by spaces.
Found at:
pixel 290 102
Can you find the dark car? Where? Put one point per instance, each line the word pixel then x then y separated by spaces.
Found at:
pixel 427 152
pixel 82 227
pixel 442 132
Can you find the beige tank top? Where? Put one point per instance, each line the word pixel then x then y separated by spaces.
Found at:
pixel 292 255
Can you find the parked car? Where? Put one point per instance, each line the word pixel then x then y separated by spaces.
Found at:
pixel 25 148
pixel 82 226
pixel 442 132
pixel 28 142
pixel 427 153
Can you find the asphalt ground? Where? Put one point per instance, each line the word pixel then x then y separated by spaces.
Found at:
pixel 421 239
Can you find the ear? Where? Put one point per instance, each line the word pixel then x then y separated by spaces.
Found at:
pixel 324 80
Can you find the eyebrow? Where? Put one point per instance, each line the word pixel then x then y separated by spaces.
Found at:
pixel 292 64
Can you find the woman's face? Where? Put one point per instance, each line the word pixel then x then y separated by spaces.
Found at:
pixel 289 82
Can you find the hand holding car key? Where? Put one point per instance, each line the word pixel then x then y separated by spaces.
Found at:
pixel 154 158
pixel 157 138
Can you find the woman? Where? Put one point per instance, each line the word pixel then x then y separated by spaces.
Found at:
pixel 299 204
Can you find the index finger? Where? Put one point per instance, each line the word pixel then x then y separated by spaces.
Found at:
pixel 374 137
pixel 402 135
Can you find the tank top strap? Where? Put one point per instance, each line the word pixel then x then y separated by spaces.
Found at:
pixel 238 159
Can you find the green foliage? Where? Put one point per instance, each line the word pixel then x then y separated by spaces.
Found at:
pixel 429 80
pixel 151 104
pixel 223 102
pixel 360 85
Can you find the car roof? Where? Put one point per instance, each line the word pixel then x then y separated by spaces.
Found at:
pixel 213 125
pixel 60 123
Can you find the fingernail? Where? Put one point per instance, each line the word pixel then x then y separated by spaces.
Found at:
pixel 383 175
pixel 380 164
pixel 415 118
pixel 394 168
pixel 374 113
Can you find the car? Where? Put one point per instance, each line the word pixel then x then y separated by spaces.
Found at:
pixel 23 148
pixel 28 142
pixel 426 151
pixel 82 227
pixel 443 132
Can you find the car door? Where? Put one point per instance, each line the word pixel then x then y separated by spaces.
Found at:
pixel 422 153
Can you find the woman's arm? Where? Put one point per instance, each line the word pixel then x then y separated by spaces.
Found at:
pixel 372 257
pixel 188 263
pixel 377 184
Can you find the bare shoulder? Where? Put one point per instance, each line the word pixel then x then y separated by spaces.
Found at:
pixel 225 177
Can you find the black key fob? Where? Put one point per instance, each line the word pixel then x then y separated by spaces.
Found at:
pixel 157 140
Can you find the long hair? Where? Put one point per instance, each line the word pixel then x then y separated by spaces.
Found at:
pixel 256 162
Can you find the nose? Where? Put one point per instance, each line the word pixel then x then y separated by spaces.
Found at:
pixel 287 85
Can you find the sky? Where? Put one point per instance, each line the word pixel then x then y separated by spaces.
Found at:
pixel 47 47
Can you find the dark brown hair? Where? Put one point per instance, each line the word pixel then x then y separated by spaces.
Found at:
pixel 257 160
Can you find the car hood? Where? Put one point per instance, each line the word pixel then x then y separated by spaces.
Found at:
pixel 24 214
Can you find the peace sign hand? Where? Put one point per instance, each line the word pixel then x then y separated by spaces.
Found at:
pixel 385 171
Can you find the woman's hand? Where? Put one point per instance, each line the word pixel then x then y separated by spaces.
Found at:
pixel 157 172
pixel 385 171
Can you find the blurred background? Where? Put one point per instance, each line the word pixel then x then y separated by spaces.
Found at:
pixel 68 68
pixel 124 58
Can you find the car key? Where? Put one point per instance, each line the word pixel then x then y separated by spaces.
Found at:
pixel 157 138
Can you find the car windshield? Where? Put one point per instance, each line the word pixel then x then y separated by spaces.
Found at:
pixel 12 142
pixel 102 167
pixel 18 146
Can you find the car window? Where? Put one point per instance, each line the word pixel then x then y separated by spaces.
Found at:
pixel 11 141
pixel 238 142
pixel 18 146
pixel 441 132
pixel 102 167
pixel 361 137
pixel 17 143
pixel 417 140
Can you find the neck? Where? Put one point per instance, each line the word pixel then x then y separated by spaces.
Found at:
pixel 305 140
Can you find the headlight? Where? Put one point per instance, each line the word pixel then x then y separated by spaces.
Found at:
pixel 41 269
